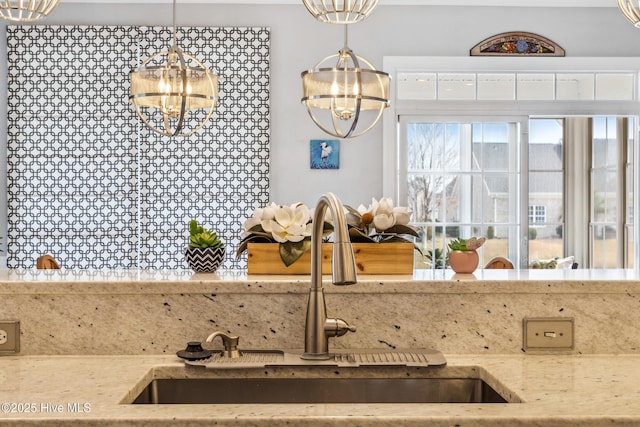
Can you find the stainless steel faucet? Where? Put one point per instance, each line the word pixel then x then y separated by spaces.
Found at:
pixel 319 328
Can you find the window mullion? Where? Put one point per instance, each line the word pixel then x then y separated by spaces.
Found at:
pixel 621 190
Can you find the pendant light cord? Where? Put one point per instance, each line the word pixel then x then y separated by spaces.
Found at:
pixel 175 43
pixel 346 35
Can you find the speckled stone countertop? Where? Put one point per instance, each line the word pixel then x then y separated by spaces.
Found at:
pixel 70 312
pixel 475 320
pixel 155 281
pixel 568 390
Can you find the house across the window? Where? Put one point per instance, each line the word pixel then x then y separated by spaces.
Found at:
pixel 537 214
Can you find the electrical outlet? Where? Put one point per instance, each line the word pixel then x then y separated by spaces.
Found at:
pixel 9 336
pixel 548 333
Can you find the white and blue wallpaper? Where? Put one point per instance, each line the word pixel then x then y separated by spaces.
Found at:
pixel 93 186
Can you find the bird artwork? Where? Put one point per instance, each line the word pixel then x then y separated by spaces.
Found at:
pixel 325 154
pixel 326 150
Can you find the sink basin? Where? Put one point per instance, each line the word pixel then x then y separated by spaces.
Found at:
pixel 265 390
pixel 282 377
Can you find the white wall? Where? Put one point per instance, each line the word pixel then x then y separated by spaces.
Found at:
pixel 298 42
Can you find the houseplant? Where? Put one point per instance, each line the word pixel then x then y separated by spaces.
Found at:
pixel 282 229
pixel 463 257
pixel 277 239
pixel 437 258
pixel 380 222
pixel 381 235
pixel 205 251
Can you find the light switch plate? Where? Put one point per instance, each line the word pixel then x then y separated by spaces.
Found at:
pixel 9 337
pixel 548 333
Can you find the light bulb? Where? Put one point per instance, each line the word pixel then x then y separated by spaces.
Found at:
pixel 335 89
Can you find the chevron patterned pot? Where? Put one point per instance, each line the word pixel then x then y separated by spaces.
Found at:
pixel 205 260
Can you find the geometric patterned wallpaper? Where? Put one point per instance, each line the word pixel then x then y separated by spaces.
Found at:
pixel 93 186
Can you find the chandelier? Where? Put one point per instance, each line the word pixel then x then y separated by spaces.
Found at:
pixel 26 10
pixel 341 94
pixel 630 11
pixel 340 11
pixel 174 94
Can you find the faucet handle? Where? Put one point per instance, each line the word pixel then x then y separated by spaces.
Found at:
pixel 337 327
pixel 230 343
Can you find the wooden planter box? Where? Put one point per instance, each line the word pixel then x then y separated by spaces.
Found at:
pixel 371 258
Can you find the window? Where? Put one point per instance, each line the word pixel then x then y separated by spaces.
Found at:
pixel 537 214
pixel 575 193
pixel 611 201
pixel 461 180
pixel 546 188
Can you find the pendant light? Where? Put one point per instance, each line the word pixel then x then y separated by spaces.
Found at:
pixel 340 11
pixel 343 97
pixel 174 93
pixel 26 10
pixel 631 11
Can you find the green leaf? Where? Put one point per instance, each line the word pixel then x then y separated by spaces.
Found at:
pixel 356 235
pixel 290 252
pixel 205 240
pixel 327 229
pixel 193 227
pixel 402 229
pixel 437 258
pixel 256 229
pixel 253 238
pixel 391 238
pixel 262 234
pixel 458 244
pixel 352 211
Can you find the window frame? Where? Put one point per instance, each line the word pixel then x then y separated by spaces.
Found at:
pixel 518 240
pixel 538 109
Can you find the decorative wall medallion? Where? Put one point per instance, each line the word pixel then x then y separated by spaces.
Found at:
pixel 517 43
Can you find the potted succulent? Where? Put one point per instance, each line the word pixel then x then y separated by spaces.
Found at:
pixel 205 251
pixel 463 257
pixel 437 258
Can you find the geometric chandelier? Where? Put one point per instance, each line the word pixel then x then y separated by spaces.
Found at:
pixel 340 11
pixel 343 97
pixel 174 94
pixel 26 10
pixel 630 11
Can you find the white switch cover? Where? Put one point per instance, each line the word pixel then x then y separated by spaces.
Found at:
pixel 548 333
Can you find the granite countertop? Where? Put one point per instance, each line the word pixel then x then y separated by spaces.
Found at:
pixel 570 390
pixel 585 390
pixel 160 281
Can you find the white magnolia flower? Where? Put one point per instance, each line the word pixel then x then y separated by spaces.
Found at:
pixel 385 215
pixel 402 215
pixel 352 219
pixel 289 223
pixel 259 215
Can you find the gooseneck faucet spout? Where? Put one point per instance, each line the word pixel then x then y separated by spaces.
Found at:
pixel 319 328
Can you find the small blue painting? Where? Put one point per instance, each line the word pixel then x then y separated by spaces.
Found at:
pixel 325 153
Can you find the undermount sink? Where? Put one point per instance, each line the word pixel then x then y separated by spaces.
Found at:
pixel 317 390
pixel 257 381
